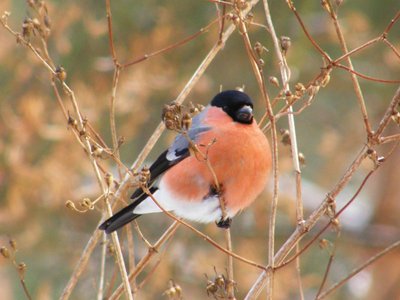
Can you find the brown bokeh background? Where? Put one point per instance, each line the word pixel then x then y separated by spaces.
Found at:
pixel 42 166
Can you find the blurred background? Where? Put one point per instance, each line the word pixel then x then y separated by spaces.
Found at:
pixel 42 166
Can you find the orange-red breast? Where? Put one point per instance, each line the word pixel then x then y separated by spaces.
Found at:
pixel 239 155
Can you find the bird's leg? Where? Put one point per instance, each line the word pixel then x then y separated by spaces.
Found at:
pixel 215 190
pixel 224 223
pixel 218 191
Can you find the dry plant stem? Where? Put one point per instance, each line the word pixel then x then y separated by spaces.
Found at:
pixel 21 279
pixel 330 261
pixel 366 77
pixel 86 143
pixel 389 139
pixel 26 292
pixel 392 47
pixel 170 47
pixel 392 22
pixel 146 259
pixel 314 43
pixel 100 290
pixel 131 249
pixel 388 114
pixel 308 224
pixel 231 283
pixel 120 259
pixel 221 17
pixel 357 270
pixel 285 76
pixel 260 80
pixel 322 230
pixel 354 78
pixel 112 117
pixel 110 33
pixel 81 265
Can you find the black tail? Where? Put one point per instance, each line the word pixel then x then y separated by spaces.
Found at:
pixel 118 220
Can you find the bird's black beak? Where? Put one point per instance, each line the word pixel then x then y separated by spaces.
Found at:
pixel 245 114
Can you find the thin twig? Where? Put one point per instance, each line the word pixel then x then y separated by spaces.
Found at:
pixel 110 33
pixel 285 76
pixel 356 85
pixel 309 223
pixel 112 117
pixel 257 70
pixel 358 270
pixel 329 265
pixel 170 47
pixel 100 290
pixel 366 77
pixel 81 264
pixel 145 260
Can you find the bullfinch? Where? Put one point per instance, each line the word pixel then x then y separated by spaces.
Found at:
pixel 238 153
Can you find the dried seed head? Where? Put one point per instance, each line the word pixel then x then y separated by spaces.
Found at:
pixel 200 107
pixel 4 252
pixel 325 80
pixel 186 121
pixel 13 244
pixel 27 28
pixel 326 6
pixel 178 289
pixel 69 204
pixel 109 178
pixel 97 151
pixel 273 80
pixel 250 17
pixel 372 154
pixel 169 124
pixel 323 243
pixel 87 203
pixel 220 281
pixel 22 268
pixel 299 87
pixel 261 62
pixel 171 115
pixel 211 288
pixel 36 23
pixel 82 132
pixel 258 48
pixel 61 73
pixel 174 291
pixel 47 22
pixel 110 248
pixel 302 159
pixel 396 117
pixel 72 122
pixel 144 176
pixel 285 140
pixel 285 43
pixel 121 141
pixel 335 223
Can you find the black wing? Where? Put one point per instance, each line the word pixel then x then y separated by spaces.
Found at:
pixel 178 151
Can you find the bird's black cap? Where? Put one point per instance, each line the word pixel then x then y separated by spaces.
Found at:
pixel 232 101
pixel 231 98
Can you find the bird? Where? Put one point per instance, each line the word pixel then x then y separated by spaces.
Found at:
pixel 239 158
